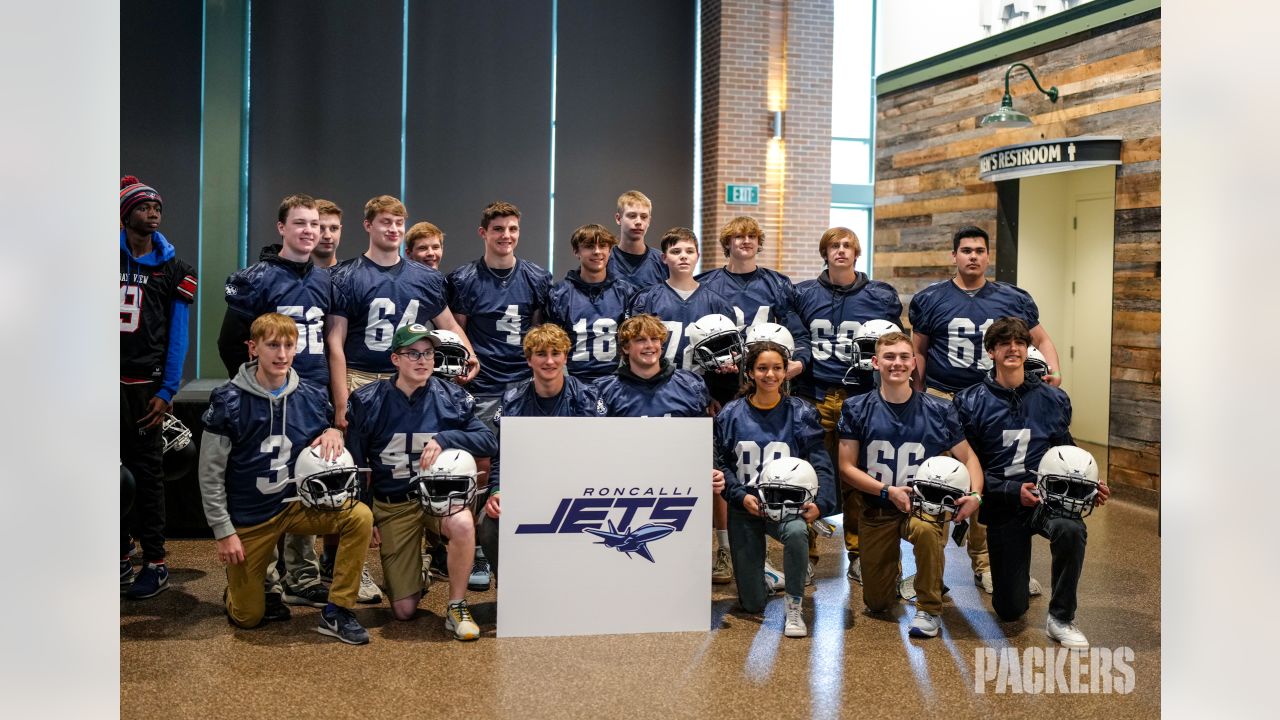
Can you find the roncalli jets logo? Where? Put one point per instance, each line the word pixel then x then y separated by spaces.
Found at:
pixel 634 517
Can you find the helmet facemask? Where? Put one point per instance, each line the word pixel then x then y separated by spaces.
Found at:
pixel 1067 495
pixel 445 494
pixel 334 489
pixel 934 501
pixel 719 350
pixel 176 436
pixel 781 502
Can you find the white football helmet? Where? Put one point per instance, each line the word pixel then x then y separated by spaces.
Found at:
pixel 326 484
pixel 451 354
pixel 449 485
pixel 774 333
pixel 714 342
pixel 176 436
pixel 1035 364
pixel 785 485
pixel 1068 481
pixel 864 342
pixel 940 481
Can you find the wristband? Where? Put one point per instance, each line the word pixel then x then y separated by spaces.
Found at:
pixel 975 494
pixel 884 491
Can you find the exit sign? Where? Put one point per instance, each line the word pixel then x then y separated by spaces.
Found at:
pixel 742 195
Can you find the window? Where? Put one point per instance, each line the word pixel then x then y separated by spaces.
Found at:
pixel 853 121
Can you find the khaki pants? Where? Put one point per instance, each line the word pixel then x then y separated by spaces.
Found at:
pixel 357 379
pixel 301 565
pixel 881 531
pixel 246 601
pixel 975 541
pixel 829 415
pixel 400 525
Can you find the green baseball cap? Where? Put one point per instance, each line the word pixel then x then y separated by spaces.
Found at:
pixel 412 333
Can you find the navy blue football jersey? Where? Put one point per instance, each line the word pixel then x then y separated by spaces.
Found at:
pixel 590 313
pixel 377 300
pixel 499 311
pixel 387 429
pixel 266 437
pixel 576 399
pixel 639 270
pixel 677 314
pixel 955 324
pixel 1010 430
pixel 892 446
pixel 763 295
pixel 670 393
pixel 270 286
pixel 747 437
pixel 833 314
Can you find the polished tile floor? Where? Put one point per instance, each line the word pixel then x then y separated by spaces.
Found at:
pixel 180 658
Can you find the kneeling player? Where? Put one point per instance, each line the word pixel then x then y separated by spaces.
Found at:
pixel 256 427
pixel 885 435
pixel 1013 420
pixel 405 421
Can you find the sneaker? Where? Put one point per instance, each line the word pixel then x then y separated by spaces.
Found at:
pixel 774 578
pixel 314 595
pixel 808 575
pixel 1034 588
pixel 722 568
pixel 276 610
pixel 795 626
pixel 153 580
pixel 855 570
pixel 126 574
pixel 369 592
pixel 983 580
pixel 1067 634
pixel 479 580
pixel 326 567
pixel 341 623
pixel 907 587
pixel 457 620
pixel 426 571
pixel 440 564
pixel 924 625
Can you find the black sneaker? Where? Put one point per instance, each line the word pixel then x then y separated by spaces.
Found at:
pixel 341 623
pixel 326 567
pixel 153 580
pixel 440 564
pixel 126 574
pixel 276 610
pixel 315 595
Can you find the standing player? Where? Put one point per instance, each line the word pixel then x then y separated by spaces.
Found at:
pixel 765 424
pixel 325 254
pixel 948 320
pixel 425 243
pixel 1011 418
pixel 401 424
pixel 589 303
pixel 884 437
pixel 288 283
pixel 634 261
pixel 498 298
pixel 549 393
pixel 156 292
pixel 832 307
pixel 255 429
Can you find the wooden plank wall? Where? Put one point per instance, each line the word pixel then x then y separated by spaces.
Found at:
pixel 927 147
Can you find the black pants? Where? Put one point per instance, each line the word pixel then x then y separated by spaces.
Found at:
pixel 141 454
pixel 1009 545
pixel 487 537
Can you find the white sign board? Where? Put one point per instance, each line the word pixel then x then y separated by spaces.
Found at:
pixel 606 526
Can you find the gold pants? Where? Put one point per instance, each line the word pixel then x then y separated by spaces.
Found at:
pixel 881 561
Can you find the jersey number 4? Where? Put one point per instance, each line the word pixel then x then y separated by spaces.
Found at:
pixel 395 455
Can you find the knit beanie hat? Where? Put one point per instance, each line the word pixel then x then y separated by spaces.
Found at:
pixel 133 192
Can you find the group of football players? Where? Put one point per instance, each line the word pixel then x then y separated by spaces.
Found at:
pixel 821 402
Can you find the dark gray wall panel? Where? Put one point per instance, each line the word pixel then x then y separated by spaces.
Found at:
pixel 325 89
pixel 624 118
pixel 479 120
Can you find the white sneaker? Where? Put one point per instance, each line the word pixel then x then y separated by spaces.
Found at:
pixel 907 587
pixel 369 592
pixel 795 626
pixel 457 620
pixel 855 570
pixel 1034 588
pixel 426 571
pixel 774 578
pixel 925 625
pixel 722 567
pixel 983 580
pixel 808 576
pixel 1067 634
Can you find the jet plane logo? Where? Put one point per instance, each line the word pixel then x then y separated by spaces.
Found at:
pixel 632 541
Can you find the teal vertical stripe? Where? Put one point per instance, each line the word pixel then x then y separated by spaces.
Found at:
pixel 404 97
pixel 204 48
pixel 243 257
pixel 551 208
pixel 871 156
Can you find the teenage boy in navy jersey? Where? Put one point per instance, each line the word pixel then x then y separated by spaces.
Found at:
pixel 325 254
pixel 254 430
pixel 634 261
pixel 832 307
pixel 497 298
pixel 425 243
pixel 1011 418
pixel 948 320
pixel 156 292
pixel 398 427
pixel 885 435
pixel 589 304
